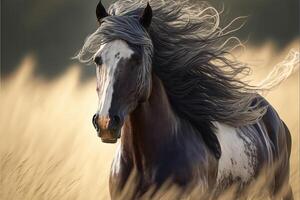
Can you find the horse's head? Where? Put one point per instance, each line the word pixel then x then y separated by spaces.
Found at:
pixel 123 79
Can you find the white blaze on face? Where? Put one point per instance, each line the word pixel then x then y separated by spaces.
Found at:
pixel 111 53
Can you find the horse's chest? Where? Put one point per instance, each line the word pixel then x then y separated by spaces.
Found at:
pixel 239 156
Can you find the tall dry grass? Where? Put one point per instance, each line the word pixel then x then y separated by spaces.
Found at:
pixel 49 149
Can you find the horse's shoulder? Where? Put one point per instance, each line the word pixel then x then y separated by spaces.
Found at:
pixel 181 160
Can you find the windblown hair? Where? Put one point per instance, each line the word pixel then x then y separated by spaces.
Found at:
pixel 186 48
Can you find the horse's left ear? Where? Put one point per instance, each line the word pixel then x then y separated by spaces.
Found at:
pixel 146 16
pixel 101 12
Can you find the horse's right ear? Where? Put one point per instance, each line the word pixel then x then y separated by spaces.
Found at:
pixel 146 17
pixel 101 12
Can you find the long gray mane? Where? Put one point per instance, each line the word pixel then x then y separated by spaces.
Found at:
pixel 190 53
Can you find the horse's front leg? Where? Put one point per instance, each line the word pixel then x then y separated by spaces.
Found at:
pixel 121 169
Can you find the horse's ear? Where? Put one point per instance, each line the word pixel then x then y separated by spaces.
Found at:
pixel 101 12
pixel 146 16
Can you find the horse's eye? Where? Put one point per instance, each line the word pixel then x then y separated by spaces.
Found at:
pixel 98 60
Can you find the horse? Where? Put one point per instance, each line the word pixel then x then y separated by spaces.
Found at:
pixel 168 90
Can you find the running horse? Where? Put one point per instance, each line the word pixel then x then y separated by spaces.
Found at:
pixel 169 90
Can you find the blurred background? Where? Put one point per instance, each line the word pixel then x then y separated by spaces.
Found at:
pixel 48 146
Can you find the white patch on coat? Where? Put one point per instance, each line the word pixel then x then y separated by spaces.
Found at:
pixel 111 53
pixel 116 164
pixel 237 155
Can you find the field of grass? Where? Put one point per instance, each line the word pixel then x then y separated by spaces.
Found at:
pixel 49 148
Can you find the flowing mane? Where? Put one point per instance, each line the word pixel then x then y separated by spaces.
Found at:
pixel 190 53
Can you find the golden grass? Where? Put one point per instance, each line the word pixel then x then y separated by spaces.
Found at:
pixel 48 146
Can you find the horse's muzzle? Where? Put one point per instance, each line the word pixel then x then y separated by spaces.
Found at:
pixel 108 128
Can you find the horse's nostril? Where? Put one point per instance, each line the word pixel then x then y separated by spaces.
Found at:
pixel 95 119
pixel 116 120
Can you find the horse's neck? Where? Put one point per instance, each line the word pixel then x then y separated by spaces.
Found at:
pixel 150 127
